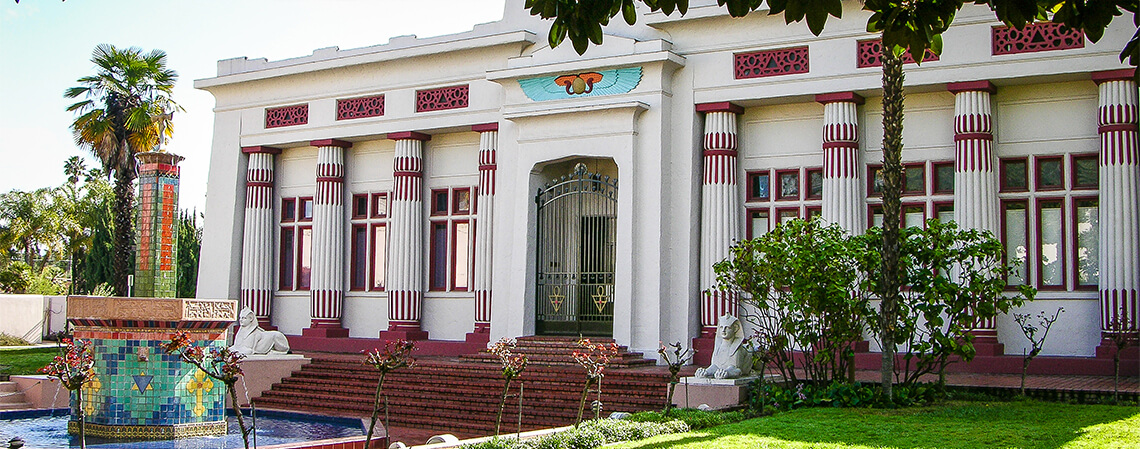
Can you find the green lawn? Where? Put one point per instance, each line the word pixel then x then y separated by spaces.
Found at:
pixel 973 425
pixel 21 361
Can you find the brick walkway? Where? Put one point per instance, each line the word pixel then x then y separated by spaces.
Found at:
pixel 1100 384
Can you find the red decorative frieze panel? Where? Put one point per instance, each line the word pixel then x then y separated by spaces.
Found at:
pixel 287 116
pixel 1036 37
pixel 350 108
pixel 870 54
pixel 443 98
pixel 759 64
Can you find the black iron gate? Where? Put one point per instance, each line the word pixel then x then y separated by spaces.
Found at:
pixel 575 261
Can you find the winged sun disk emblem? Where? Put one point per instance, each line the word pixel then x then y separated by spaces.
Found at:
pixel 582 83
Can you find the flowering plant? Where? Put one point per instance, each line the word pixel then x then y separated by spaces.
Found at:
pixel 594 357
pixel 396 354
pixel 74 367
pixel 220 364
pixel 513 366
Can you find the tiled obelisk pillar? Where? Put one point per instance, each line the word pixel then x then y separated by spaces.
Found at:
pixel 257 254
pixel 976 180
pixel 406 248
pixel 326 291
pixel 720 217
pixel 1119 277
pixel 843 202
pixel 156 258
pixel 485 205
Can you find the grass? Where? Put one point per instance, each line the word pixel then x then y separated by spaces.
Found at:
pixel 22 361
pixel 1020 424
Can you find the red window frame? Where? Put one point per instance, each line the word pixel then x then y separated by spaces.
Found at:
pixel 377 200
pixel 811 212
pixel 1003 168
pixel 456 209
pixel 286 273
pixel 1095 158
pixel 872 171
pixel 934 175
pixel 906 191
pixel 902 213
pixel 358 281
pixel 1077 285
pixel 748 225
pixel 1037 173
pixel 938 205
pixel 288 210
pixel 373 259
pixel 453 246
pixel 799 185
pixel 807 183
pixel 1029 250
pixel 359 206
pixel 751 194
pixel 434 261
pixel 300 256
pixel 436 209
pixel 1063 253
pixel 780 210
pixel 301 201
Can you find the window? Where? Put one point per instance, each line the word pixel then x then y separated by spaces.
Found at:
pixel 758 223
pixel 913 215
pixel 944 177
pixel 788 185
pixel 875 183
pixel 815 183
pixel 944 211
pixel 296 249
pixel 1050 220
pixel 914 179
pixel 451 235
pixel 759 185
pixel 786 215
pixel 369 250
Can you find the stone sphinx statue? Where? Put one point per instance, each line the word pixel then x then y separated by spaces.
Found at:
pixel 730 358
pixel 251 339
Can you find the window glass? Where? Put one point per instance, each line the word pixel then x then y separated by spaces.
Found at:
pixel 288 209
pixel 1051 248
pixel 439 255
pixel 1014 175
pixel 813 212
pixel 1049 174
pixel 286 271
pixel 877 216
pixel 760 224
pixel 1016 243
pixel 380 205
pixel 462 201
pixel 306 208
pixel 945 212
pixel 789 185
pixel 758 185
pixel 359 206
pixel 815 183
pixel 305 253
pixel 914 216
pixel 439 202
pixel 787 215
pixel 1088 273
pixel 1086 173
pixel 877 182
pixel 462 256
pixel 944 178
pixel 915 179
pixel 359 256
pixel 379 257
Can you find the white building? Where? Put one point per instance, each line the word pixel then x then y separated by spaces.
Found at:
pixel 401 189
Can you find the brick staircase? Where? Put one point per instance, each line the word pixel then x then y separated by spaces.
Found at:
pixel 11 398
pixel 557 351
pixel 462 395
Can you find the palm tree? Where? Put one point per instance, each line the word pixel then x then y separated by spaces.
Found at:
pixel 73 168
pixel 124 110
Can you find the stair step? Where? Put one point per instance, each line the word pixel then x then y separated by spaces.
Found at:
pixel 9 387
pixel 16 406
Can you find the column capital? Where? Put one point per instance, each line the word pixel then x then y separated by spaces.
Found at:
pixel 723 106
pixel 972 86
pixel 840 97
pixel 331 143
pixel 485 127
pixel 409 135
pixel 1112 75
pixel 260 149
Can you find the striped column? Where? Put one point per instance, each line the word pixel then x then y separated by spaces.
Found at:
pixel 720 208
pixel 488 144
pixel 257 253
pixel 1119 205
pixel 842 189
pixel 326 292
pixel 406 248
pixel 975 175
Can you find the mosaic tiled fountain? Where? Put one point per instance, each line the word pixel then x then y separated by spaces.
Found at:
pixel 139 391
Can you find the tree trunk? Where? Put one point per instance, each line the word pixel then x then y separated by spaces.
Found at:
pixel 82 431
pixel 892 191
pixel 502 405
pixel 124 238
pixel 1024 371
pixel 582 402
pixel 375 412
pixel 237 412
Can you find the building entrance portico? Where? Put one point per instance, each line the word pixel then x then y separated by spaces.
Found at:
pixel 574 268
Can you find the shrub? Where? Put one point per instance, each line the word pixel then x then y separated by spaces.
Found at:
pixel 584 438
pixel 552 441
pixel 12 340
pixel 691 418
pixel 839 394
pixel 496 443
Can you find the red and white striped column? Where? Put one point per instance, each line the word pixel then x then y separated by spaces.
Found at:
pixel 842 189
pixel 257 243
pixel 975 175
pixel 1119 282
pixel 406 251
pixel 326 292
pixel 485 204
pixel 720 209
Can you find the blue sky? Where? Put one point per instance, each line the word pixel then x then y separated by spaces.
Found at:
pixel 45 45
